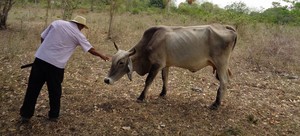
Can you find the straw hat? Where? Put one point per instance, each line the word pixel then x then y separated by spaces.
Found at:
pixel 80 20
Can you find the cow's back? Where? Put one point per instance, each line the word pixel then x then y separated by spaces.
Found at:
pixel 193 47
pixel 187 47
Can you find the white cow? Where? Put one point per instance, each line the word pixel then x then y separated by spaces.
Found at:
pixel 192 48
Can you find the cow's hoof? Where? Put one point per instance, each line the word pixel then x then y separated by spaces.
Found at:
pixel 162 94
pixel 214 106
pixel 163 97
pixel 138 100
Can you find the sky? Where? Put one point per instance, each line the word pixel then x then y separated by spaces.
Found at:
pixel 253 4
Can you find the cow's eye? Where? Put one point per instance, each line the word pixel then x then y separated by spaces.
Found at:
pixel 121 63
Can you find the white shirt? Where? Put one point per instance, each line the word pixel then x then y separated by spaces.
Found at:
pixel 60 40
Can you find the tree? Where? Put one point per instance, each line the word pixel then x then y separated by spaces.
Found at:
pixel 278 15
pixel 190 1
pixel 47 12
pixel 276 4
pixel 238 7
pixel 92 5
pixel 168 4
pixel 209 7
pixel 296 6
pixel 5 6
pixel 114 5
pixel 157 3
pixel 68 7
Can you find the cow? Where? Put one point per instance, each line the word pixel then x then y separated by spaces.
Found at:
pixel 188 47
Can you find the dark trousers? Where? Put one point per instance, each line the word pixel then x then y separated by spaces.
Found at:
pixel 42 72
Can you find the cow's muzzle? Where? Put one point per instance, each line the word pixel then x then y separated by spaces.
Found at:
pixel 107 80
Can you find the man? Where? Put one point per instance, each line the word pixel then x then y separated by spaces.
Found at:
pixel 58 41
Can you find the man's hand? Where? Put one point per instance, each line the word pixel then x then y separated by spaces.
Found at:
pixel 105 58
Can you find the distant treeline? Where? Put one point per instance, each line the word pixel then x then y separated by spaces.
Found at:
pixel 235 13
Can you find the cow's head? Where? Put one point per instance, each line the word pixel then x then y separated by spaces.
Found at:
pixel 121 65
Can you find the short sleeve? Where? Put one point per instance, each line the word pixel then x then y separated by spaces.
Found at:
pixel 46 31
pixel 84 43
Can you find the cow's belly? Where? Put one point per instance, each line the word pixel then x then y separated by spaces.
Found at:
pixel 191 65
pixel 188 50
pixel 192 60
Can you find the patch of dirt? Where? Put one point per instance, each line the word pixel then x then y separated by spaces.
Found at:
pixel 257 103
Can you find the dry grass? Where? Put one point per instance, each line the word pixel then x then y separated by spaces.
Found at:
pixel 263 98
pixel 274 47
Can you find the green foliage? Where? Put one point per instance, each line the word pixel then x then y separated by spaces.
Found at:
pixel 295 13
pixel 210 7
pixel 237 13
pixel 157 3
pixel 278 15
pixel 136 6
pixel 282 14
pixel 106 2
pixel 238 7
pixel 189 9
pixel 68 7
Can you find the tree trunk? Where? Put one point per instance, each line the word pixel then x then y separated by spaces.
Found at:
pixel 168 4
pixel 92 5
pixel 111 15
pixel 5 6
pixel 47 13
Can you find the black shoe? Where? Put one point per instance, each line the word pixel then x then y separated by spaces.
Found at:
pixel 24 120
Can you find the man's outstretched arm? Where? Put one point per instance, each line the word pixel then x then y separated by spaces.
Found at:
pixel 102 56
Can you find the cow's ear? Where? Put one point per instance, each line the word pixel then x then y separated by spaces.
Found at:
pixel 116 46
pixel 130 69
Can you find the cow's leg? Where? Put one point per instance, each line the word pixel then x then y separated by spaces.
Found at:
pixel 223 78
pixel 152 74
pixel 164 75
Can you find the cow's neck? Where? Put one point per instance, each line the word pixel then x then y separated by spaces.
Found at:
pixel 134 60
pixel 140 65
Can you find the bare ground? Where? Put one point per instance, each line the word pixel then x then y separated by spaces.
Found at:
pixel 259 101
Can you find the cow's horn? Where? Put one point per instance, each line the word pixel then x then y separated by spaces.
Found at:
pixel 132 52
pixel 116 46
